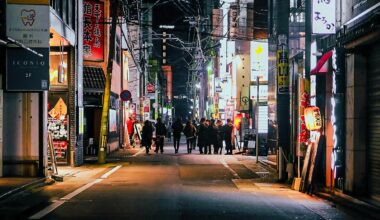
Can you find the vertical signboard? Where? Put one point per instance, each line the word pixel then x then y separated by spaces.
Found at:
pixel 282 72
pixel 169 78
pixel 259 60
pixel 28 25
pixel 217 24
pixel 27 71
pixel 323 16
pixel 93 30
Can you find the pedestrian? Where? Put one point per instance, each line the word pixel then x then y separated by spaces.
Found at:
pixel 211 135
pixel 160 135
pixel 194 143
pixel 228 136
pixel 169 131
pixel 190 132
pixel 201 132
pixel 130 125
pixel 147 135
pixel 219 137
pixel 177 130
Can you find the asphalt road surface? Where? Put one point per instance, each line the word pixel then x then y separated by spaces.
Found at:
pixel 182 186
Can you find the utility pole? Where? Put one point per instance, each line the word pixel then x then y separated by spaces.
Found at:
pixel 107 89
pixel 283 97
pixel 142 61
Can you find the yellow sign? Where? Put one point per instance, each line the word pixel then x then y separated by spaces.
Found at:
pixel 282 72
pixel 29 2
pixel 60 109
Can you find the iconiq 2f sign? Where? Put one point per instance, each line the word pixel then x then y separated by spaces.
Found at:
pixel 323 16
pixel 27 71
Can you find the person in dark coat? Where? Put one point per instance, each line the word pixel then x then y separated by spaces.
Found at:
pixel 177 129
pixel 228 134
pixel 202 135
pixel 219 137
pixel 147 135
pixel 190 132
pixel 211 135
pixel 196 126
pixel 160 135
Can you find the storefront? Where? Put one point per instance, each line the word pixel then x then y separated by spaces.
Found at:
pixel 58 102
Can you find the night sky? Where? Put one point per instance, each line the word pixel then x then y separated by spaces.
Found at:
pixel 170 14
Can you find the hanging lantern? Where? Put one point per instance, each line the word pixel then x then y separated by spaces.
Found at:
pixel 313 118
pixel 237 121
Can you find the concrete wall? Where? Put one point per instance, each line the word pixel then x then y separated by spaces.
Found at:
pixel 356 124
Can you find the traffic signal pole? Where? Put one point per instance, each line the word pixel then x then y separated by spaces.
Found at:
pixel 107 89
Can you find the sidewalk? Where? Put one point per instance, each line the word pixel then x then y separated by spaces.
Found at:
pixel 22 196
pixel 351 203
pixel 13 185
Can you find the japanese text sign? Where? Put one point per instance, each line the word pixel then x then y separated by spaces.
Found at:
pixel 282 72
pixel 93 30
pixel 323 16
pixel 28 25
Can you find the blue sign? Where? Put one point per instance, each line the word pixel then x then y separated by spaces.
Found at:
pixel 125 95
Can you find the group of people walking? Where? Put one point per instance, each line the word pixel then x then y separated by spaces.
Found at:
pixel 208 135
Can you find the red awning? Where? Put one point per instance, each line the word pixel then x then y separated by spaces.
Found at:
pixel 321 62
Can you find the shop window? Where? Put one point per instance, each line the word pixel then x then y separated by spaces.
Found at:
pixel 58 123
pixel 58 70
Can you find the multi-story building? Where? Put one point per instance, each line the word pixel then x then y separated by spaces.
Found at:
pixel 44 94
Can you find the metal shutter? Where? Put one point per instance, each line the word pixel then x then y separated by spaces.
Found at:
pixel 373 153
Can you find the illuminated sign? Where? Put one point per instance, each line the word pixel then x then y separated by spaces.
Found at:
pixel 263 92
pixel 323 16
pixel 28 25
pixel 93 30
pixel 263 119
pixel 259 60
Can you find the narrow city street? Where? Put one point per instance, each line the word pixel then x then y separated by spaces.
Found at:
pixel 134 185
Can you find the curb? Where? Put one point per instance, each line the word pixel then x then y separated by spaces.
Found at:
pixel 268 164
pixel 352 203
pixel 22 188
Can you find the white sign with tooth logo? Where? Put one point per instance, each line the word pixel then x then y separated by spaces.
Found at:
pixel 29 24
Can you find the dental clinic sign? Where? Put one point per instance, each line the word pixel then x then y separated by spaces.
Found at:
pixel 29 24
pixel 323 16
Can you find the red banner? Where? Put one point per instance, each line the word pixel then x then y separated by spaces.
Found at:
pixel 93 30
pixel 169 78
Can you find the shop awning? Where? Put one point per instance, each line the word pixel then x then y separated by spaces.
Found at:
pixel 93 80
pixel 321 63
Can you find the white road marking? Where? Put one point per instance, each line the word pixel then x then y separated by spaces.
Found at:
pixel 106 175
pixel 222 161
pixel 61 201
pixel 81 189
pixel 47 210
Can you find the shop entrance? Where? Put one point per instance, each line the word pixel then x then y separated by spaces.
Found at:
pixel 92 117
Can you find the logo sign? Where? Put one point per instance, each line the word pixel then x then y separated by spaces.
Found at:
pixel 150 88
pixel 93 30
pixel 323 16
pixel 28 25
pixel 27 72
pixel 125 95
